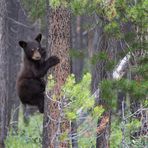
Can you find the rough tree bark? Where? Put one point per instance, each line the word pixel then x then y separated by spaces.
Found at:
pixel 54 122
pixel 14 60
pixel 3 73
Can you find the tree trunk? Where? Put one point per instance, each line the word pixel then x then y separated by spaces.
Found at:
pixel 101 43
pixel 14 63
pixel 55 124
pixel 77 46
pixel 77 64
pixel 3 73
pixel 99 73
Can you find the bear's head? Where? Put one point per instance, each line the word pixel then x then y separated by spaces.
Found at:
pixel 33 49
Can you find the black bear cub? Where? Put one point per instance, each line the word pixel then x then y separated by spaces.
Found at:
pixel 30 83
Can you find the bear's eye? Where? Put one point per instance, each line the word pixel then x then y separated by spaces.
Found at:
pixel 32 49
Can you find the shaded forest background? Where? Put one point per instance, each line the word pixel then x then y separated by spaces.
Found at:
pixel 97 96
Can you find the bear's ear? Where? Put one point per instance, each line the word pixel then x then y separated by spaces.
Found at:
pixel 23 44
pixel 38 38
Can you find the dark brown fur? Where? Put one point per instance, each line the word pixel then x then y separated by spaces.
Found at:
pixel 30 83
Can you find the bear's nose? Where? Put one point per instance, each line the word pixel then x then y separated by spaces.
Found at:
pixel 36 55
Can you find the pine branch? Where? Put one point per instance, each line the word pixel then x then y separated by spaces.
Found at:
pixel 118 73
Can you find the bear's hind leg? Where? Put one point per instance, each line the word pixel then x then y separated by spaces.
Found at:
pixel 40 104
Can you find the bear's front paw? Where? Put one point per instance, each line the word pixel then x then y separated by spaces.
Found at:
pixel 55 59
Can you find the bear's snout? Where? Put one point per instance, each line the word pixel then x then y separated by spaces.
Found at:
pixel 36 55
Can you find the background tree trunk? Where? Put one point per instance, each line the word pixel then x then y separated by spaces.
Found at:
pixel 59 36
pixel 99 73
pixel 77 47
pixel 3 73
pixel 101 43
pixel 14 60
pixel 77 63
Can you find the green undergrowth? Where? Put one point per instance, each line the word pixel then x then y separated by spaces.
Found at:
pixel 28 136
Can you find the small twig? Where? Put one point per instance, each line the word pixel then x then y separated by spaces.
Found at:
pixel 123 125
pixel 16 22
pixel 52 99
pixel 141 109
